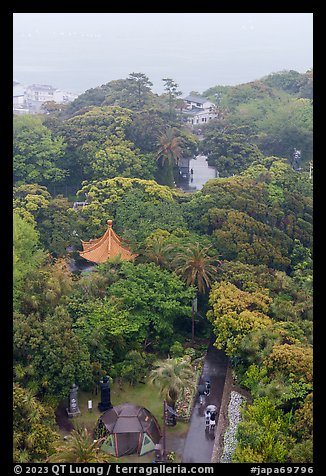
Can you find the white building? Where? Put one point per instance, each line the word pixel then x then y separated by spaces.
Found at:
pixel 31 98
pixel 39 93
pixel 63 97
pixel 18 98
pixel 199 110
pixel 18 94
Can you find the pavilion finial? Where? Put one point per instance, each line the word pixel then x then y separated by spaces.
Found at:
pixel 109 222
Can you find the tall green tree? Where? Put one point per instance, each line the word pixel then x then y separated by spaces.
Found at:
pixel 197 268
pixel 133 93
pixel 119 158
pixel 171 88
pixel 231 153
pixel 142 86
pixel 157 300
pixel 168 155
pixel 140 308
pixel 144 129
pixel 195 265
pixel 172 376
pixel 137 215
pixel 263 435
pixel 36 152
pixel 56 354
pixel 104 197
pixel 87 132
pixel 30 200
pixel 27 255
pixel 58 226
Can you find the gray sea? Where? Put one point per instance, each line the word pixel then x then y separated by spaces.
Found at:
pixel 78 51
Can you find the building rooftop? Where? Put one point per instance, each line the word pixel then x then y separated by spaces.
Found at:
pixel 42 87
pixel 198 99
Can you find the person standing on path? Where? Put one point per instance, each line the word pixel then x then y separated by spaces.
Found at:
pixel 198 447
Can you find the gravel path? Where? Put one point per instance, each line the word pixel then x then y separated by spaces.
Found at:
pixel 230 441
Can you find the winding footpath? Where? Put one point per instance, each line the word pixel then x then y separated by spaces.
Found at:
pixel 199 443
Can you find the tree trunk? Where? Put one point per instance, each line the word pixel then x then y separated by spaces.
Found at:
pixel 166 176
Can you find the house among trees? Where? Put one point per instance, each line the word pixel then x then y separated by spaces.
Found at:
pixel 29 99
pixel 199 110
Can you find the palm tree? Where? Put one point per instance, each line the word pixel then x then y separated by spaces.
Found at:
pixel 81 448
pixel 157 250
pixel 169 153
pixel 196 267
pixel 172 376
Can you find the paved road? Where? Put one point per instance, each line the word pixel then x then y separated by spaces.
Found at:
pixel 199 442
pixel 202 173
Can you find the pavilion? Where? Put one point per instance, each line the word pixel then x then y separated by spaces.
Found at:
pixel 108 246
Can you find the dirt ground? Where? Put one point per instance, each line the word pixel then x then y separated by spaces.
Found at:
pixel 64 423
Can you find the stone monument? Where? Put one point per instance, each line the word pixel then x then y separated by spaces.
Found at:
pixel 105 402
pixel 73 409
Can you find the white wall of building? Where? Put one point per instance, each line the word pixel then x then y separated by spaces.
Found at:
pixel 18 100
pixel 200 118
pixel 32 97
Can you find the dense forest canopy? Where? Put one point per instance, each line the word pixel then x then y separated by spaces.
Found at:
pixel 274 113
pixel 242 245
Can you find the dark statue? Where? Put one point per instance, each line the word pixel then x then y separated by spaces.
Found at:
pixel 105 402
pixel 73 409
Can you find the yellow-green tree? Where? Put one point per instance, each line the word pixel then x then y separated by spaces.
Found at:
pixel 33 427
pixel 235 314
pixel 302 425
pixel 291 359
pixel 119 158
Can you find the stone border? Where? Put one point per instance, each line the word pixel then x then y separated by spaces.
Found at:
pixel 223 418
pixel 230 440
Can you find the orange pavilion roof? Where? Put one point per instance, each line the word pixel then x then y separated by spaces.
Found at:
pixel 108 246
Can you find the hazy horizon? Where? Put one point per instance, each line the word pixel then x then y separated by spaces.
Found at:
pixel 79 51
